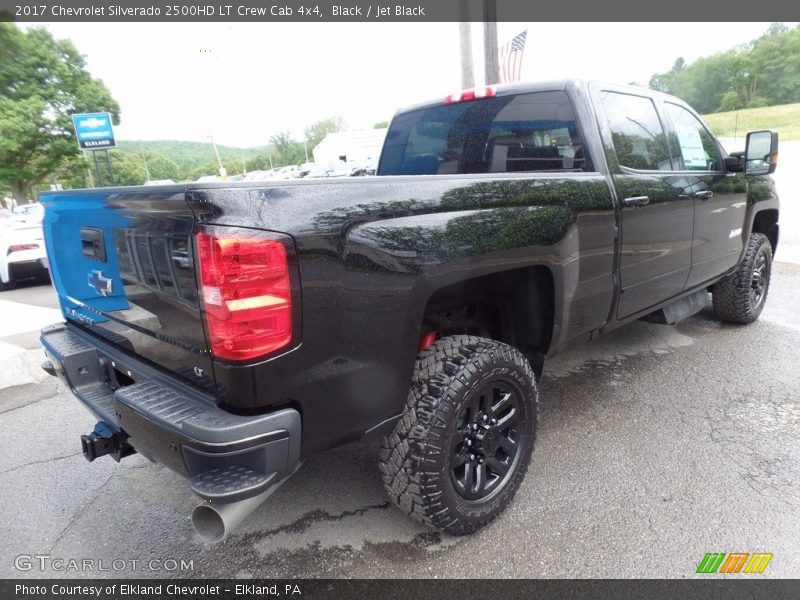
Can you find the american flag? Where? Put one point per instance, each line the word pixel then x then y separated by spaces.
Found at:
pixel 511 58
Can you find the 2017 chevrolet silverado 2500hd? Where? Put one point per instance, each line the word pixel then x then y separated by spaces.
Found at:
pixel 228 331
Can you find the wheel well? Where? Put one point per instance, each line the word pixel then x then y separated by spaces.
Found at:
pixel 766 222
pixel 515 307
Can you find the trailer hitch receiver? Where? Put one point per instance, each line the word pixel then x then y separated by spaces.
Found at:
pixel 105 440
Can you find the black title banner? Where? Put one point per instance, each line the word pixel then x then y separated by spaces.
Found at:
pixel 323 11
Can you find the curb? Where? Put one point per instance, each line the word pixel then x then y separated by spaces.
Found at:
pixel 19 366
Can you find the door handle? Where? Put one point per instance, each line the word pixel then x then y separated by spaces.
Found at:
pixel 636 201
pixel 704 195
pixel 92 244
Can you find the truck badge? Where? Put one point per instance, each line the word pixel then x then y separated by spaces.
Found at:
pixel 99 283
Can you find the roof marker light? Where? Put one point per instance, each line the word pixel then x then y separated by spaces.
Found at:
pixel 472 94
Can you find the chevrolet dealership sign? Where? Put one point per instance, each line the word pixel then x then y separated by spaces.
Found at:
pixel 94 131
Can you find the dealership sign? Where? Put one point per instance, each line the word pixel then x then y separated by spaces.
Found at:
pixel 94 131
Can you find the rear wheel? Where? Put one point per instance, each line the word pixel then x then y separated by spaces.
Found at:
pixel 461 449
pixel 740 297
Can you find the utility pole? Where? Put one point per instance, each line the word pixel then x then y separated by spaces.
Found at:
pixel 89 171
pixel 222 172
pixel 491 66
pixel 244 164
pixel 465 37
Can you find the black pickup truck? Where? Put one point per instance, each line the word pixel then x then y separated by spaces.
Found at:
pixel 228 331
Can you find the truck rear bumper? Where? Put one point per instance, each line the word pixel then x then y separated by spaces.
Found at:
pixel 226 457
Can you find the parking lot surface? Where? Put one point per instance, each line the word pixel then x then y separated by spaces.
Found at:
pixel 657 444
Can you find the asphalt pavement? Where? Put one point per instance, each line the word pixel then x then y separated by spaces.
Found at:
pixel 657 444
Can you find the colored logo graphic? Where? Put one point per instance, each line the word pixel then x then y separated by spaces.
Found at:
pixel 734 562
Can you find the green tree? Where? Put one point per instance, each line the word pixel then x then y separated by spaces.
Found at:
pixel 128 168
pixel 42 82
pixel 287 150
pixel 259 162
pixel 203 170
pixel 764 72
pixel 161 167
pixel 315 133
pixel 381 125
pixel 776 59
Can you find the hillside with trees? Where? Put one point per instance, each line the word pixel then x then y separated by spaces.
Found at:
pixel 765 72
pixel 188 156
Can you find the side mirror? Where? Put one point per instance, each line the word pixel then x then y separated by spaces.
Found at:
pixel 761 153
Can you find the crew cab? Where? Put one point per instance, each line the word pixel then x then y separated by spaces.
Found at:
pixel 230 330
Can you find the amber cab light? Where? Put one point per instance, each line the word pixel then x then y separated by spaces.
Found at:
pixel 246 293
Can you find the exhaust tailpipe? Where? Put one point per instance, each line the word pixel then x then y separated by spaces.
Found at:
pixel 214 521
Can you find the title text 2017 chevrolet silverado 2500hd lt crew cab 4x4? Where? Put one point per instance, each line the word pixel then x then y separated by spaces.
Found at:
pixel 228 331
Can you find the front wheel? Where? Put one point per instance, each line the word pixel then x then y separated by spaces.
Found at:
pixel 740 297
pixel 463 445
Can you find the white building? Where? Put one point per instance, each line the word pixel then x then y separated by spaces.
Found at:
pixel 363 146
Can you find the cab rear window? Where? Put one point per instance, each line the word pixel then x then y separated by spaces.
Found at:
pixel 506 134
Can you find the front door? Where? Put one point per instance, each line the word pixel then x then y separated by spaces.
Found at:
pixel 656 212
pixel 720 199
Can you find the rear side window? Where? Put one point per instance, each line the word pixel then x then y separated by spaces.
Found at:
pixel 525 132
pixel 698 149
pixel 638 137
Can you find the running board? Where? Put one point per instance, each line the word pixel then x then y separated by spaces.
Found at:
pixel 680 310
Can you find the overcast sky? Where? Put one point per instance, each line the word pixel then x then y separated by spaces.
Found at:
pixel 245 82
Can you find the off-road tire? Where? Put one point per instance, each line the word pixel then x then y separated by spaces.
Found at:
pixel 733 297
pixel 416 460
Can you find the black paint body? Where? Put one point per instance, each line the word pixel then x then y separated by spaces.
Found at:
pixel 370 253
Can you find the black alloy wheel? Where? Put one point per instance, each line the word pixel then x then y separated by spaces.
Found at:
pixel 486 445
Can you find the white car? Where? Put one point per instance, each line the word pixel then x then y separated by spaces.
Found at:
pixel 22 250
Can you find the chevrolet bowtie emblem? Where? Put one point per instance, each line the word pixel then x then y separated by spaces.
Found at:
pixel 100 283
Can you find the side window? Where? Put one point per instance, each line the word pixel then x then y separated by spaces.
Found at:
pixel 698 149
pixel 636 131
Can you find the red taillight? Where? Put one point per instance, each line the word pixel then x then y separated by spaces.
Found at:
pixel 246 292
pixel 472 94
pixel 21 247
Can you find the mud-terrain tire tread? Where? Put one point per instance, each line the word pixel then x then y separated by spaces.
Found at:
pixel 731 296
pixel 411 455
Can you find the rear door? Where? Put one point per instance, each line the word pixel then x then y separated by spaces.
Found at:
pixel 719 198
pixel 656 209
